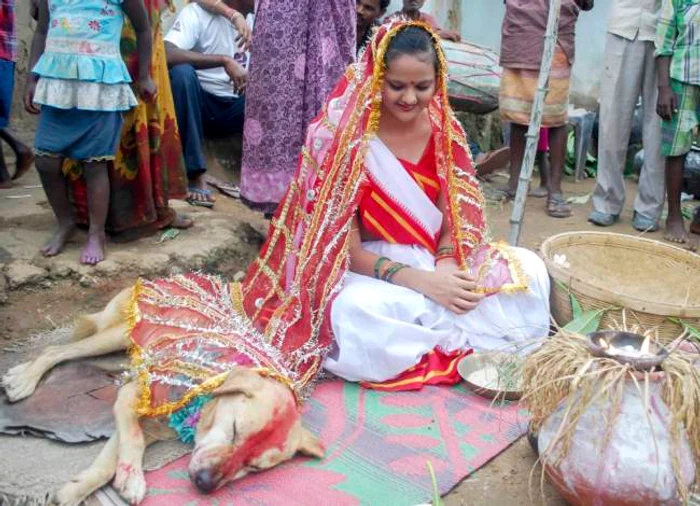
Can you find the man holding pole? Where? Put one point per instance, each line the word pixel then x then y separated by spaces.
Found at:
pixel 522 46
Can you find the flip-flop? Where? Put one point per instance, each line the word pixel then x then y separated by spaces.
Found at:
pixel 199 203
pixel 227 188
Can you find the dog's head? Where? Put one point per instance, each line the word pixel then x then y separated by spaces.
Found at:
pixel 252 424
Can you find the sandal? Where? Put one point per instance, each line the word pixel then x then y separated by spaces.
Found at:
pixel 557 206
pixel 205 202
pixel 227 188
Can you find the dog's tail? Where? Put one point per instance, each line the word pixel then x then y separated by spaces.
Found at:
pixel 113 314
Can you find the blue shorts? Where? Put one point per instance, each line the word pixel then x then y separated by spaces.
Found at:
pixel 78 134
pixel 7 84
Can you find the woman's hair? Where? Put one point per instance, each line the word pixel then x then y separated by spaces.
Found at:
pixel 412 40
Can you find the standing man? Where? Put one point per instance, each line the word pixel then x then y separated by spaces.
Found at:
pixel 630 71
pixel 369 13
pixel 8 55
pixel 522 45
pixel 678 63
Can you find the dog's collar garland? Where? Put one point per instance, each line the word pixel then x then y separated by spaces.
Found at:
pixel 184 421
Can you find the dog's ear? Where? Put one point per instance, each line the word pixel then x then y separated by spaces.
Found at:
pixel 310 445
pixel 240 381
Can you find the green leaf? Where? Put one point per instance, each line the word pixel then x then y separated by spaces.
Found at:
pixel 692 330
pixel 437 500
pixel 576 309
pixel 587 322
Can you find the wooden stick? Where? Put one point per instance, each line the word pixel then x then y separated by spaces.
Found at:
pixel 533 131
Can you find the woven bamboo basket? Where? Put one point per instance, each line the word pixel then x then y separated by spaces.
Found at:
pixel 653 282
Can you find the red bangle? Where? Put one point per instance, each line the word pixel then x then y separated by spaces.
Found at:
pixel 445 256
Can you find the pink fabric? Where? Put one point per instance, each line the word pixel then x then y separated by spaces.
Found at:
pixel 543 143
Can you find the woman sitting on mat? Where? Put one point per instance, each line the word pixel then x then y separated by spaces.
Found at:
pixel 424 287
pixel 376 257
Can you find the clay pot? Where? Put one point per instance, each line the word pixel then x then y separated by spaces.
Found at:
pixel 633 468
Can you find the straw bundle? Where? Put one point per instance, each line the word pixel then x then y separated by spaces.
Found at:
pixel 563 369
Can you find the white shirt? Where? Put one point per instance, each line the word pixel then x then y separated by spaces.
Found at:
pixel 202 32
pixel 634 18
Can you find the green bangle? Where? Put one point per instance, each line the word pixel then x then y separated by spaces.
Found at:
pixel 378 265
pixel 391 271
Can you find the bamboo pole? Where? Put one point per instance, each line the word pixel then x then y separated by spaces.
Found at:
pixel 533 132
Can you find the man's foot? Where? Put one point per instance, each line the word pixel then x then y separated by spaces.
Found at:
pixel 603 219
pixel 58 241
pixel 182 222
pixel 539 193
pixel 507 192
pixel 199 194
pixel 675 232
pixel 557 206
pixel 25 159
pixel 94 251
pixel 643 223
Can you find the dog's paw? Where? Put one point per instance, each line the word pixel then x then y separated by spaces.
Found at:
pixel 71 494
pixel 20 382
pixel 130 483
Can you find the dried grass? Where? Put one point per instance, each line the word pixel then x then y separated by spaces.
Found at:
pixel 563 369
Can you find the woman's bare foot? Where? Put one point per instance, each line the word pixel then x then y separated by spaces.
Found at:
pixel 58 241
pixel 94 251
pixel 182 222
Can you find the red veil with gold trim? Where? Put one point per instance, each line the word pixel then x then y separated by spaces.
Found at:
pixel 278 319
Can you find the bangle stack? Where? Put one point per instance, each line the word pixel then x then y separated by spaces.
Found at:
pixel 386 269
pixel 444 252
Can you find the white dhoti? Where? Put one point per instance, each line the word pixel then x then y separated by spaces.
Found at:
pixel 383 329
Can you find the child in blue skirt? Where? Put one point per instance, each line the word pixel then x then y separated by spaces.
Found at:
pixel 82 86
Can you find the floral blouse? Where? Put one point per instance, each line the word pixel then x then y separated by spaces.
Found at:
pixel 82 66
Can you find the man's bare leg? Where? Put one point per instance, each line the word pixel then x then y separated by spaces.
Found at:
pixel 23 153
pixel 5 181
pixel 675 228
pixel 517 152
pixel 56 189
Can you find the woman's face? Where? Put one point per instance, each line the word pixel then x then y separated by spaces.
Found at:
pixel 409 85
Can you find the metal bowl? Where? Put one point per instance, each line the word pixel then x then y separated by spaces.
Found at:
pixel 618 339
pixel 487 362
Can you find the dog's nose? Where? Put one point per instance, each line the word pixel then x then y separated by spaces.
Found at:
pixel 204 481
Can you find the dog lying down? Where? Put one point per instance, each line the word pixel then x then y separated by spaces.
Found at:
pixel 248 423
